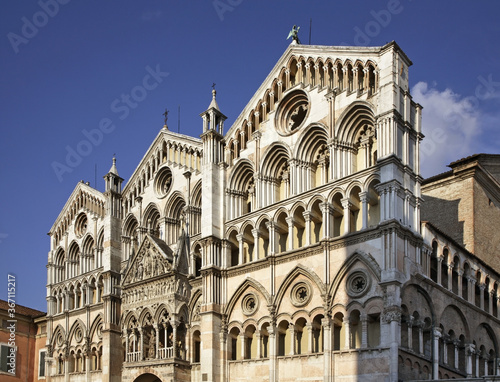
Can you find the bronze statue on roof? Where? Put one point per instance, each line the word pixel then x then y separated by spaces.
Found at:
pixel 294 34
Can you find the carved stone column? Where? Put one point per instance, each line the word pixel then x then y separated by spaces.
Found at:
pixel 141 344
pixel 364 330
pixel 242 345
pixel 273 372
pixel 307 218
pixel 482 288
pixel 346 204
pixel 310 334
pixel 291 330
pixel 435 359
pixel 326 324
pixel 256 236
pixel 241 258
pixel 347 328
pixel 363 197
pixel 289 220
pixel 271 226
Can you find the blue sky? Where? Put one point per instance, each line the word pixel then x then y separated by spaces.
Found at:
pixel 68 66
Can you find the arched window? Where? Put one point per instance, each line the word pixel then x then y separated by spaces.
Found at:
pixel 354 210
pixel 59 266
pixel 477 292
pixel 234 249
pixel 284 347
pixel 196 346
pixel 197 261
pixel 373 328
pixel 465 282
pixel 373 200
pixel 299 228
pixel 486 295
pixel 235 345
pixel 338 332
pixel 340 77
pixel 263 239
pixel 317 334
pixel 301 336
pixel 434 262
pixel 454 275
pixel 350 78
pixel 264 338
pixel 316 217
pixel 282 233
pixel 371 79
pixel 248 245
pixel 361 78
pixel 338 215
pixel 250 343
pixel 355 329
pixel 73 260
pixel 444 268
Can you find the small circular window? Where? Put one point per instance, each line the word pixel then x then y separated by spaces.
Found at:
pixel 358 284
pixel 301 294
pixel 292 112
pixel 163 182
pixel 250 304
pixel 81 225
pixel 79 335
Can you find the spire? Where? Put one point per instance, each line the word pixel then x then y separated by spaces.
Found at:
pixel 213 119
pixel 214 104
pixel 113 169
pixel 112 179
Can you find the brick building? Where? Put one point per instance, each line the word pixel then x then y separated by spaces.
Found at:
pixel 26 330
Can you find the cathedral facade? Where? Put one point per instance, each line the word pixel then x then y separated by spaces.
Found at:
pixel 289 246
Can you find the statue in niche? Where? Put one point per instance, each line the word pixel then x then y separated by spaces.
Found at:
pixel 152 345
pixel 148 265
pixel 140 271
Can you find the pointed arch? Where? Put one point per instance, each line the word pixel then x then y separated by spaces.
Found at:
pixel 240 290
pixel 357 115
pixel 96 327
pixel 299 270
pixel 174 209
pixel 358 256
pixel 59 330
pixel 276 172
pixel 78 323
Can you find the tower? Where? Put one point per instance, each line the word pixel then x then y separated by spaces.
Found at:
pixel 213 169
pixel 111 261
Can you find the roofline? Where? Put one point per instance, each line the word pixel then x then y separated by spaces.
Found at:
pixel 455 243
pixel 300 48
pixel 79 186
pixel 161 133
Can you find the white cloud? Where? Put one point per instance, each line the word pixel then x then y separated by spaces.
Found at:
pixel 451 125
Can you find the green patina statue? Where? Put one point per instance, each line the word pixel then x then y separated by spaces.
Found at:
pixel 294 34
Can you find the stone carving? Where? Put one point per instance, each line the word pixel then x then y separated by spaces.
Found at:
pixel 148 262
pixel 152 345
pixel 392 313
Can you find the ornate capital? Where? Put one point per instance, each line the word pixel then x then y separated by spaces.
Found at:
pixel 392 313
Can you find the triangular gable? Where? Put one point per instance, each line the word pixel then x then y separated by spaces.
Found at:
pixel 80 189
pixel 153 258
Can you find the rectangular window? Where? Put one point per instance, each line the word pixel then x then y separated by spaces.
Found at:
pixel 5 352
pixel 41 363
